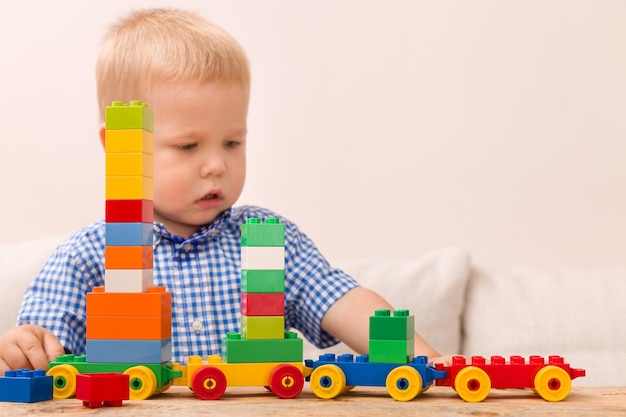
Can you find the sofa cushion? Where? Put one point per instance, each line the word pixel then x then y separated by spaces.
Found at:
pixel 579 315
pixel 431 287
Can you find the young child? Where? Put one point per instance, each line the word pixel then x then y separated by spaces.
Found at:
pixel 196 79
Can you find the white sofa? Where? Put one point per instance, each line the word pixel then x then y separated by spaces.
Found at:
pixel 458 307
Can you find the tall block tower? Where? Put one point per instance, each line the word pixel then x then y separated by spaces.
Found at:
pixel 262 337
pixel 392 337
pixel 129 320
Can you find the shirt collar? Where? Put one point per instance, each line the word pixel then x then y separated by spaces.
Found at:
pixel 207 231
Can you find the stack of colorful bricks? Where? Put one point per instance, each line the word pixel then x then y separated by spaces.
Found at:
pixel 262 338
pixel 392 338
pixel 129 320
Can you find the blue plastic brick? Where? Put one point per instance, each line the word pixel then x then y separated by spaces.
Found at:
pixel 129 351
pixel 25 386
pixel 360 371
pixel 129 234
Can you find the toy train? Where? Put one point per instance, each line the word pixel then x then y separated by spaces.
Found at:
pixel 332 375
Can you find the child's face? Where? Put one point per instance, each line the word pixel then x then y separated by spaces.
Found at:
pixel 199 152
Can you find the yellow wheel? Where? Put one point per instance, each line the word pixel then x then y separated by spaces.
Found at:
pixel 143 382
pixel 553 383
pixel 328 381
pixel 403 383
pixel 472 384
pixel 63 381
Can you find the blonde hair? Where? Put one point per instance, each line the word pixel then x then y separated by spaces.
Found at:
pixel 165 45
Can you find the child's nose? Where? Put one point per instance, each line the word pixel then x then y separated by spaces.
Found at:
pixel 213 165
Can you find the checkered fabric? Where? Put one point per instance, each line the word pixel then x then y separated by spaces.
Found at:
pixel 203 274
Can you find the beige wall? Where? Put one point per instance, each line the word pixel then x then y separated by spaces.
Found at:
pixel 383 128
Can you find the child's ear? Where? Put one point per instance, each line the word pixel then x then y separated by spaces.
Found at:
pixel 101 134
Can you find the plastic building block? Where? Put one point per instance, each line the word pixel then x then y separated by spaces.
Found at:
pixel 129 351
pixel 391 351
pixel 263 327
pixel 137 115
pixel 210 384
pixel 262 281
pixel 331 375
pixel 106 389
pixel 128 140
pixel 129 328
pixel 129 188
pixel 238 350
pixel 25 386
pixel 128 257
pixel 400 326
pixel 256 233
pixel 128 280
pixel 262 257
pixel 263 304
pixel 129 234
pixel 472 381
pixel 129 164
pixel 129 211
pixel 145 379
pixel 157 302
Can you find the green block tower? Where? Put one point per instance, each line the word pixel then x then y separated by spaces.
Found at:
pixel 262 338
pixel 392 338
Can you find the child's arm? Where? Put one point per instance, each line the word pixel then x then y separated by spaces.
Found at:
pixel 28 346
pixel 348 320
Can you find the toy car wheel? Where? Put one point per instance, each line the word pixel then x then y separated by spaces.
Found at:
pixel 553 383
pixel 403 383
pixel 63 380
pixel 286 381
pixel 472 384
pixel 328 381
pixel 142 382
pixel 209 383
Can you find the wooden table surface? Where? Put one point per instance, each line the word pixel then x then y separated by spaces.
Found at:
pixel 437 401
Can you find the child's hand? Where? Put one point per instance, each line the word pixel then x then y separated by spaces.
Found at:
pixel 28 346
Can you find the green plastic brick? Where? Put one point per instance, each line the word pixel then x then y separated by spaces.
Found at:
pixel 137 115
pixel 400 326
pixel 238 350
pixel 262 327
pixel 262 280
pixel 163 371
pixel 391 351
pixel 256 233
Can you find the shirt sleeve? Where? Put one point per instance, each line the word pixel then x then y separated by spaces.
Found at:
pixel 312 286
pixel 56 299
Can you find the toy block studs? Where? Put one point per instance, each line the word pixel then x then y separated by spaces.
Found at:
pixel 137 115
pixel 25 386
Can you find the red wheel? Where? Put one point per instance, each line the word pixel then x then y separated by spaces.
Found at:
pixel 209 383
pixel 286 381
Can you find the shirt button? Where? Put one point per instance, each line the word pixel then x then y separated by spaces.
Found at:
pixel 196 326
pixel 187 248
pixel 214 232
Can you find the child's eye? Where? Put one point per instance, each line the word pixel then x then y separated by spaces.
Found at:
pixel 187 146
pixel 231 144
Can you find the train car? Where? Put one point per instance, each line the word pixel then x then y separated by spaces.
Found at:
pixel 209 379
pixel 332 375
pixel 145 380
pixel 551 379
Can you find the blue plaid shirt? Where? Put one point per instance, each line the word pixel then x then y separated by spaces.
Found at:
pixel 203 274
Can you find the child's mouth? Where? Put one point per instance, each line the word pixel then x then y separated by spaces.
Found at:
pixel 211 200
